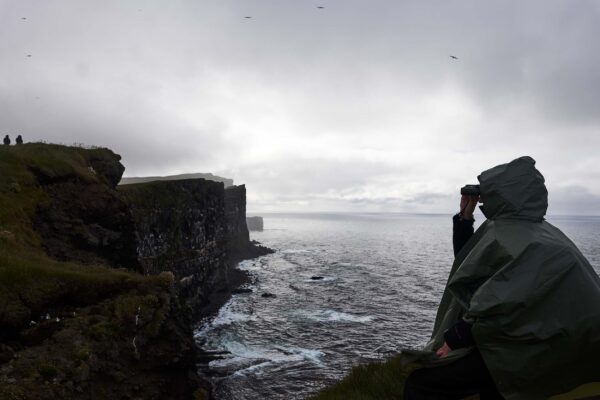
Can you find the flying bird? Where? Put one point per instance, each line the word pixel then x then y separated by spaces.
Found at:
pixel 320 7
pixel 454 57
pixel 23 18
pixel 28 55
pixel 247 17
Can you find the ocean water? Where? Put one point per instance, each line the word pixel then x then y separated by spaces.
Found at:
pixel 348 289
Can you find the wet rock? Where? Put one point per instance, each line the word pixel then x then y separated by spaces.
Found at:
pixel 242 290
pixel 207 356
pixel 316 278
pixel 268 295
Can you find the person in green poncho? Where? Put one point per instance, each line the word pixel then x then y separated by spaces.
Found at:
pixel 520 316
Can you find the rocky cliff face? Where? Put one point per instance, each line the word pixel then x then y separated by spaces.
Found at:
pixel 195 229
pixel 74 327
pixel 181 227
pixel 87 222
pixel 235 217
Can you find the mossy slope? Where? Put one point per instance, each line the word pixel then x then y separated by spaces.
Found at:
pixel 79 329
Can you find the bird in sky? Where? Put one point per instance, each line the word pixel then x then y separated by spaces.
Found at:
pixel 28 55
pixel 320 7
pixel 454 57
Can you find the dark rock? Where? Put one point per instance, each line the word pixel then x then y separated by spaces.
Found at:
pixel 235 217
pixel 107 165
pixel 316 278
pixel 268 295
pixel 86 223
pixel 241 290
pixel 206 357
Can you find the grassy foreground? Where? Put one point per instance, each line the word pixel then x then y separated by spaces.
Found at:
pixel 374 381
pixel 384 380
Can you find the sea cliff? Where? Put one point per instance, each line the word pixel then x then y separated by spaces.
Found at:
pixel 100 285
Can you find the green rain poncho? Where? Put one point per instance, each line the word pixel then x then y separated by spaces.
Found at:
pixel 532 297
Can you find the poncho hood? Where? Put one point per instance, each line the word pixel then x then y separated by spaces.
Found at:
pixel 514 190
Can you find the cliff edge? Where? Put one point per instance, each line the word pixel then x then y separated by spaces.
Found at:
pixel 97 285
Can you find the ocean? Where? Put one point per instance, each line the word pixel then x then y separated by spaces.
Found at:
pixel 341 289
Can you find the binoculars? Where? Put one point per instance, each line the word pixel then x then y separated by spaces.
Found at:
pixel 470 190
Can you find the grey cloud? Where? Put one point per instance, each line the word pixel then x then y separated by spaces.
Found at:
pixel 149 142
pixel 572 200
pixel 179 86
pixel 300 176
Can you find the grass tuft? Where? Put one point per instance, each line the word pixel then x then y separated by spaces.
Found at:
pixel 374 381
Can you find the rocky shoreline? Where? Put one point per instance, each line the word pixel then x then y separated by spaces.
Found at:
pixel 100 286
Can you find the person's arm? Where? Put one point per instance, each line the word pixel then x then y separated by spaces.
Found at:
pixel 462 230
pixel 462 223
pixel 459 335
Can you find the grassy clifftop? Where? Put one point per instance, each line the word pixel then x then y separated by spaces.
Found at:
pixel 27 167
pixel 29 280
pixel 71 324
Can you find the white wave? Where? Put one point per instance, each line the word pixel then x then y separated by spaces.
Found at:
pixel 253 370
pixel 343 264
pixel 335 316
pixel 248 265
pixel 296 251
pixel 251 358
pixel 227 315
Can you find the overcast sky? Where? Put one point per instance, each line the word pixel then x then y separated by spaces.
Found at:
pixel 354 107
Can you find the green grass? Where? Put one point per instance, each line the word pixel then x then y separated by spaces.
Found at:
pixel 20 192
pixel 382 380
pixel 30 282
pixel 385 381
pixel 374 381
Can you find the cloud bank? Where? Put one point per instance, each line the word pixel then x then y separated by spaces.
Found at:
pixel 354 107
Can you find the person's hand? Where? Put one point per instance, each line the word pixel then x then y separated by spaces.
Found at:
pixel 467 206
pixel 443 351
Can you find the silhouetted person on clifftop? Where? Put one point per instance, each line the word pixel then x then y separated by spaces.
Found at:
pixel 6 140
pixel 19 140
